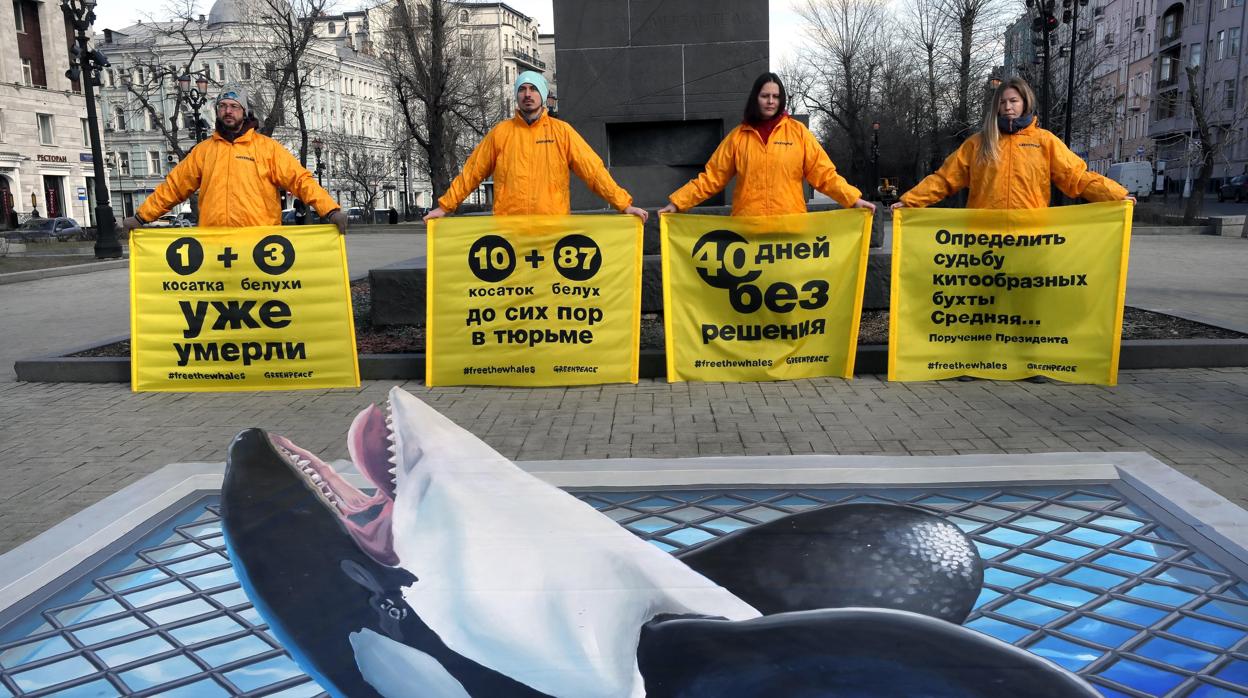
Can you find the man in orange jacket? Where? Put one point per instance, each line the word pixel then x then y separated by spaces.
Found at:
pixel 529 156
pixel 237 172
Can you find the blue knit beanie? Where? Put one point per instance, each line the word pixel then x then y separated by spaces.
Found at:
pixel 534 79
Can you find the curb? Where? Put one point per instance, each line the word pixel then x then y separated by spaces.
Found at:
pixel 72 270
pixel 871 360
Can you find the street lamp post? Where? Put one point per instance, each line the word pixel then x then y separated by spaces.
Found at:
pixel 317 145
pixel 407 216
pixel 80 14
pixel 875 155
pixel 195 98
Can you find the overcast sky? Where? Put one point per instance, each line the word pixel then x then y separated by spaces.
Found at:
pixel 785 29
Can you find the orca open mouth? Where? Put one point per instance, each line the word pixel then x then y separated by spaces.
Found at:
pixel 368 518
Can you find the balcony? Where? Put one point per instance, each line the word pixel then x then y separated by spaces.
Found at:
pixel 527 59
pixel 1109 40
pixel 1138 24
pixel 1135 102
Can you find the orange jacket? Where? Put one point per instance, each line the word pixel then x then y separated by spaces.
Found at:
pixel 238 183
pixel 530 165
pixel 1020 177
pixel 769 176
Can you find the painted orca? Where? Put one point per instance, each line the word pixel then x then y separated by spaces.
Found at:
pixel 313 584
pixel 846 653
pixel 879 555
pixel 461 575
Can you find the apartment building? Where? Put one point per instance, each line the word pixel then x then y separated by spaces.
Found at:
pixel 45 154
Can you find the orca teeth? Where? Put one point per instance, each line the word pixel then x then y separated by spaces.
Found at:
pixel 320 486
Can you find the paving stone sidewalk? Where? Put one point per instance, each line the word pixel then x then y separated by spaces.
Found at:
pixel 66 446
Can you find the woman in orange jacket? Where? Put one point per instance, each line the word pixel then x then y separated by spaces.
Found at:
pixel 1011 162
pixel 770 154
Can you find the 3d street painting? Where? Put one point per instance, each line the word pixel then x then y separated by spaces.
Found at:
pixel 459 574
pixel 462 575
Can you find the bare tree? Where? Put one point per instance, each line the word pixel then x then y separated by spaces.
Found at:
pixel 1217 111
pixel 927 27
pixel 364 164
pixel 977 28
pixel 446 95
pixel 848 38
pixel 151 84
pixel 288 28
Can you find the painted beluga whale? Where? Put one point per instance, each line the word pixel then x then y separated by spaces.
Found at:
pixel 462 575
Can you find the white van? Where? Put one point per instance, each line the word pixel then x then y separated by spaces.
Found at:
pixel 1137 177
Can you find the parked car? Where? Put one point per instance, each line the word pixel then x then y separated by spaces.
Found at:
pixel 46 230
pixel 169 221
pixel 1234 189
pixel 290 216
pixel 355 214
pixel 188 217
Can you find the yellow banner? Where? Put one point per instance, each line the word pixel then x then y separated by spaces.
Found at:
pixel 217 309
pixel 533 300
pixel 763 297
pixel 1008 294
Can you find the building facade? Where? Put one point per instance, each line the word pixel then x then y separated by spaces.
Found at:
pixel 354 144
pixel 1207 37
pixel 45 154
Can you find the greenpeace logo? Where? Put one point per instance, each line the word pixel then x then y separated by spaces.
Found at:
pixel 548 140
pixel 783 142
pixel 244 157
pixel 1029 145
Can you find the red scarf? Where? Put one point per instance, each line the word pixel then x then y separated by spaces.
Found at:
pixel 765 128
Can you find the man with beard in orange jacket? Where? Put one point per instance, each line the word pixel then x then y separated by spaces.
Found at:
pixel 237 172
pixel 529 156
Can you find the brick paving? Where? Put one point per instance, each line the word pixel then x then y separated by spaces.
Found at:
pixel 66 446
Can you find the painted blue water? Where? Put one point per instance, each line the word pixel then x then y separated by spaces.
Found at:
pixel 1078 576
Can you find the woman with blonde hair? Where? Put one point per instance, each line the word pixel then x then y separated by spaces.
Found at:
pixel 1011 162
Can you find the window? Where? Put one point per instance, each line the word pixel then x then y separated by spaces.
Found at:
pixel 245 69
pixel 18 19
pixel 1167 25
pixel 1193 56
pixel 333 28
pixel 465 46
pixel 1221 44
pixel 153 162
pixel 1 125
pixel 28 73
pixel 111 76
pixel 86 133
pixel 149 116
pixel 123 160
pixel 47 134
pixel 221 72
pixel 1228 93
pixel 1232 42
pixel 464 17
pixel 119 119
